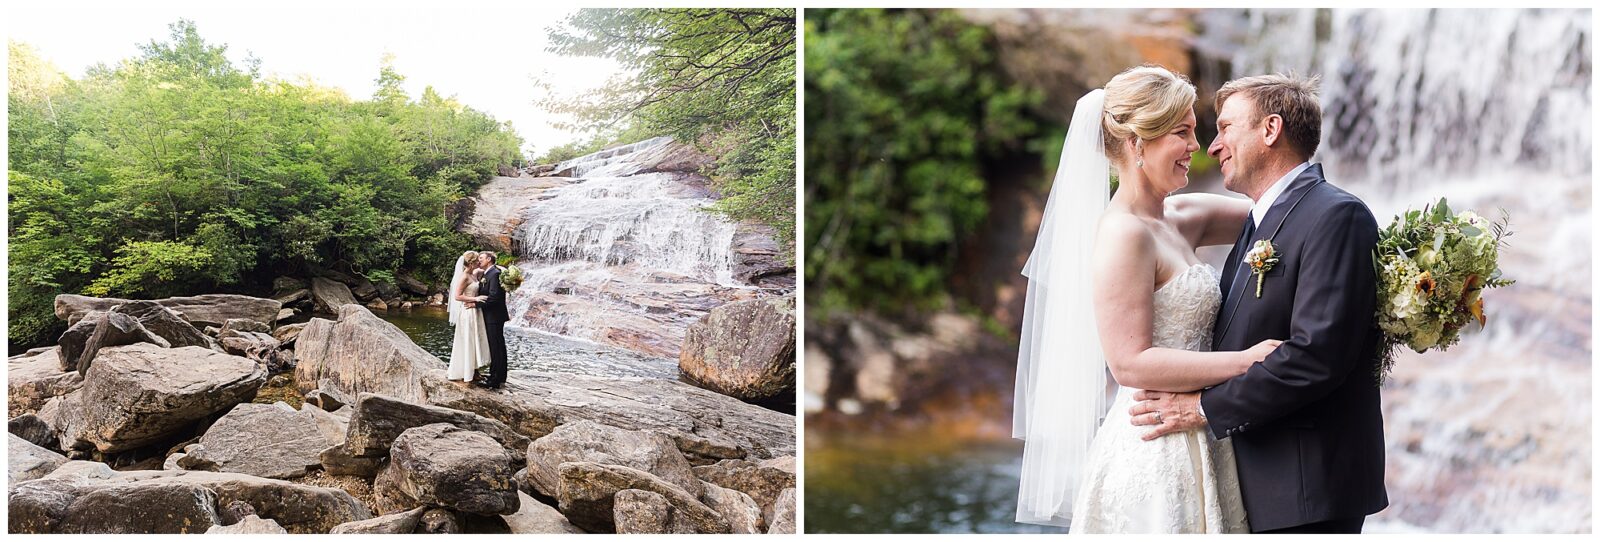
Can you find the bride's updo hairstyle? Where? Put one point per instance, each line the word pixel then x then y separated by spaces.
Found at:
pixel 469 258
pixel 1148 102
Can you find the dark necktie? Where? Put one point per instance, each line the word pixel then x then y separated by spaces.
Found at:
pixel 1241 272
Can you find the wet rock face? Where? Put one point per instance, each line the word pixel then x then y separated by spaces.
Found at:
pixel 745 349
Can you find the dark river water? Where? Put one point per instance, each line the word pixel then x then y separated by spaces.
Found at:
pixel 877 484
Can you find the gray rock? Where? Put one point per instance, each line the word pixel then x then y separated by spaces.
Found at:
pixel 200 311
pixel 378 305
pixel 636 511
pixel 379 420
pixel 29 461
pixel 69 347
pixel 165 508
pixel 445 466
pixel 115 329
pixel 588 493
pixel 285 314
pixel 783 513
pixel 362 353
pixel 235 512
pixel 293 297
pixel 706 426
pixel 163 322
pixel 534 517
pixel 171 462
pixel 323 401
pixel 337 460
pixel 33 380
pixel 397 523
pixel 439 521
pixel 30 428
pixel 411 285
pixel 257 346
pixel 741 511
pixel 762 482
pixel 141 394
pixel 249 525
pixel 270 441
pixel 328 296
pixel 589 441
pixel 743 349
pixel 285 284
pixel 364 290
pixel 241 324
pixel 288 333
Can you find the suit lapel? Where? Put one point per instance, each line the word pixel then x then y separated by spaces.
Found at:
pixel 1298 189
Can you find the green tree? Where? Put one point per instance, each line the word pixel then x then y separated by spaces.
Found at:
pixel 721 78
pixel 902 110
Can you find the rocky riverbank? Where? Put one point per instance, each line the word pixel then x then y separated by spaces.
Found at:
pixel 144 421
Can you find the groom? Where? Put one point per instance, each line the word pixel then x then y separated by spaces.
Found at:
pixel 1305 423
pixel 494 320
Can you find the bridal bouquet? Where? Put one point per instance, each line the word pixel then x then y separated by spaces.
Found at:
pixel 511 278
pixel 1432 269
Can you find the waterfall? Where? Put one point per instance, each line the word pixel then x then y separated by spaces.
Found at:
pixel 1491 109
pixel 623 253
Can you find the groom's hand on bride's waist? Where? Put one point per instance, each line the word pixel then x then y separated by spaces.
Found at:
pixel 1166 412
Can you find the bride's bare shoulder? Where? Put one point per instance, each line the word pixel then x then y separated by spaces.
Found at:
pixel 1122 233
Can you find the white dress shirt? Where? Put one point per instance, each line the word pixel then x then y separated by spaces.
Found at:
pixel 1259 211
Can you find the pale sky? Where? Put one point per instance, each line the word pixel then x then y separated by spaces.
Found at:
pixel 485 54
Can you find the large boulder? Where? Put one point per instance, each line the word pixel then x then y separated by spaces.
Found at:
pixel 111 329
pixel 757 257
pixel 411 285
pixel 83 496
pixel 589 441
pixel 167 323
pixel 741 511
pixel 379 420
pixel 270 441
pixel 361 352
pixel 743 349
pixel 328 296
pixel 588 492
pixel 635 511
pixel 534 517
pixel 69 347
pixel 249 525
pixel 706 426
pixel 34 379
pixel 763 481
pixel 396 523
pixel 141 394
pixel 286 284
pixel 446 466
pixel 28 461
pixel 200 311
pixel 29 427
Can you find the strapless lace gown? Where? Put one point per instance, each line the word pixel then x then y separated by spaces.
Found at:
pixel 470 349
pixel 1182 482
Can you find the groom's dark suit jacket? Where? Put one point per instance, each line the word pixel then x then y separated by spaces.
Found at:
pixel 1305 423
pixel 494 310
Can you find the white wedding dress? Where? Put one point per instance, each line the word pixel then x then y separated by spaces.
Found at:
pixel 470 350
pixel 1179 483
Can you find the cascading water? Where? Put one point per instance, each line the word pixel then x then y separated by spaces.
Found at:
pixel 622 255
pixel 1491 109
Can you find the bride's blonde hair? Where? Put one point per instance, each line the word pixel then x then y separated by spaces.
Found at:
pixel 1146 101
pixel 469 258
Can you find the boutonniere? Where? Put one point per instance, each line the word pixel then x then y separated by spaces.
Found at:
pixel 1261 258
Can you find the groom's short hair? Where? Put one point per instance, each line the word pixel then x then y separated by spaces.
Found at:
pixel 1289 96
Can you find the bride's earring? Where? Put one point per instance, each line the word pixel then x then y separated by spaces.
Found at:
pixel 1140 162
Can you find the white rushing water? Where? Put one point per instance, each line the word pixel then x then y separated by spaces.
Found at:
pixel 621 247
pixel 1491 109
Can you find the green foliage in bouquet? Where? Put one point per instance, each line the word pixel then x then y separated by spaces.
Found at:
pixel 1433 266
pixel 511 278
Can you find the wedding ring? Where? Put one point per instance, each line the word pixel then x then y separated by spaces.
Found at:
pixel 1158 418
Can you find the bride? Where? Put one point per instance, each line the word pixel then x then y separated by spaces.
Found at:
pixel 1114 284
pixel 471 347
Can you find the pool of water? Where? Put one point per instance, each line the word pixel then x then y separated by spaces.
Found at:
pixel 912 484
pixel 529 349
